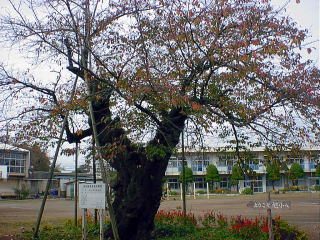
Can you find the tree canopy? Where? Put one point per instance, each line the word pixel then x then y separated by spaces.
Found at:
pixel 212 174
pixel 188 175
pixel 236 175
pixel 273 172
pixel 147 67
pixel 317 173
pixel 227 62
pixel 295 172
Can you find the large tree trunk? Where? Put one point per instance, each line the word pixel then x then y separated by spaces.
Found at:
pixel 140 172
pixel 137 197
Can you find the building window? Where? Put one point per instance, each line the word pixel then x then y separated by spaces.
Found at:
pixel 175 163
pixel 15 161
pixel 298 160
pixel 256 183
pixel 313 161
pixel 226 160
pixel 200 165
pixel 173 183
pixel 224 183
pixel 200 182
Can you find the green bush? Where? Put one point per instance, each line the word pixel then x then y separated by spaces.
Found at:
pixel 201 192
pixel 222 191
pixel 316 188
pixel 294 188
pixel 284 189
pixel 173 193
pixel 67 231
pixel 282 230
pixel 22 193
pixel 247 191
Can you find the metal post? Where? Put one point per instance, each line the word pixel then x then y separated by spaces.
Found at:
pixel 76 187
pixel 94 169
pixel 53 165
pixel 183 175
pixel 101 224
pixel 84 224
pixel 270 219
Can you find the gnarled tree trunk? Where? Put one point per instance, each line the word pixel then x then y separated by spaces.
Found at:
pixel 140 172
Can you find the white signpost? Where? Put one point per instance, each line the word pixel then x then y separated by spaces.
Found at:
pixel 92 195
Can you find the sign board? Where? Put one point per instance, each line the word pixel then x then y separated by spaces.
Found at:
pixel 269 204
pixel 92 195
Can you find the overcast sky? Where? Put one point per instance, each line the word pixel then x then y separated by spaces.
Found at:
pixel 306 14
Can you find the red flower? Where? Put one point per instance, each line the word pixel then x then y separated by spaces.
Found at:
pixel 265 228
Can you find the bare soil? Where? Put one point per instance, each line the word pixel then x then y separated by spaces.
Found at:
pixel 17 216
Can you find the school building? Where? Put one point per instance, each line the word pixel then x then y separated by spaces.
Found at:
pixel 198 161
pixel 14 168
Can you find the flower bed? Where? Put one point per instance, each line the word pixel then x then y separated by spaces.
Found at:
pixel 174 225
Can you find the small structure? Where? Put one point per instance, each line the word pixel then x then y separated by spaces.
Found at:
pixel 14 169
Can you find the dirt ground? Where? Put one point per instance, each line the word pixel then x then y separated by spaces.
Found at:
pixel 15 216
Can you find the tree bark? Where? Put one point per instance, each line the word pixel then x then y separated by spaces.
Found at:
pixel 140 171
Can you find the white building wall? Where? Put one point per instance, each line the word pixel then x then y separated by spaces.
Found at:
pixel 213 157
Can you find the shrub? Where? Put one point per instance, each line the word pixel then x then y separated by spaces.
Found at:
pixel 173 193
pixel 304 188
pixel 282 230
pixel 294 188
pixel 316 188
pixel 67 231
pixel 222 191
pixel 284 189
pixel 201 192
pixel 175 216
pixel 219 190
pixel 247 191
pixel 214 220
pixel 245 228
pixel 174 224
pixel 22 193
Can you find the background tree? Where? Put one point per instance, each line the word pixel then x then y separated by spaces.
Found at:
pixel 147 67
pixel 189 178
pixel 236 175
pixel 273 172
pixel 317 173
pixel 212 175
pixel 188 175
pixel 295 172
pixel 39 159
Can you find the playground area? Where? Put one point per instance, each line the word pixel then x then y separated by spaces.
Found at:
pixel 19 215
